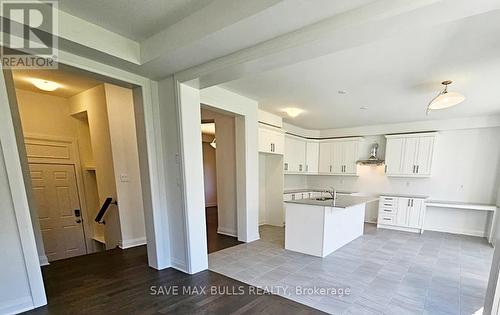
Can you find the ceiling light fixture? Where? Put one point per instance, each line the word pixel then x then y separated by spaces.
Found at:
pixel 445 99
pixel 45 84
pixel 293 111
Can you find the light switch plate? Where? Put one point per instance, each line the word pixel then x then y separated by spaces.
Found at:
pixel 124 177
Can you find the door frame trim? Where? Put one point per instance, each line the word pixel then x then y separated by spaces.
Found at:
pixel 74 160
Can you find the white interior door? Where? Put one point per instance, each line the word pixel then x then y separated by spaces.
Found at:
pixel 56 195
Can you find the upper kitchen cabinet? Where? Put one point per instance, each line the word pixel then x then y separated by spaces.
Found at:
pixel 294 160
pixel 312 156
pixel 339 156
pixel 271 140
pixel 409 155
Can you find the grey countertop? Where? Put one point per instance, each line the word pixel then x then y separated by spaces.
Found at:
pixel 404 195
pixel 300 190
pixel 343 201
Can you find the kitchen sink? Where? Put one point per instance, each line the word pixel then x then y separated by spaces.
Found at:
pixel 324 198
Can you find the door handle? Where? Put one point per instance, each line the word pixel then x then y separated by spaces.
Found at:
pixel 78 213
pixel 78 221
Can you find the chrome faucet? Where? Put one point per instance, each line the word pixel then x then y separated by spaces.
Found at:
pixel 332 192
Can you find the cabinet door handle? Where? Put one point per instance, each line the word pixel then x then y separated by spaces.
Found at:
pixel 307 168
pixel 412 202
pixel 408 202
pixel 417 169
pixel 300 167
pixel 330 168
pixel 385 169
pixel 286 166
pixel 413 169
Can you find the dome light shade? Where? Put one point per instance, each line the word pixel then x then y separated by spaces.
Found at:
pixel 45 84
pixel 445 99
pixel 293 111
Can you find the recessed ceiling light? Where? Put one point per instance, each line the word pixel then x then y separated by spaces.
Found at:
pixel 363 108
pixel 342 91
pixel 45 84
pixel 293 111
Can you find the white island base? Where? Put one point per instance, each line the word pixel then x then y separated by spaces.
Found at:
pixel 319 230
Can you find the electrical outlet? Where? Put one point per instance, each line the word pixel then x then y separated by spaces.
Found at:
pixel 123 177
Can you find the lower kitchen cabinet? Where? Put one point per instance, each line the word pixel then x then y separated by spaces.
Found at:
pixel 402 213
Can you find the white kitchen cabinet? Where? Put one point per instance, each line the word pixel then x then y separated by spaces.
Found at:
pixel 409 155
pixel 401 213
pixel 295 155
pixel 339 157
pixel 312 156
pixel 325 157
pixel 271 140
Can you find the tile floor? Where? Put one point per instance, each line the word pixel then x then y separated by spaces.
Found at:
pixel 387 272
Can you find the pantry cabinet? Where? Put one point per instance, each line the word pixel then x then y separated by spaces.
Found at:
pixel 271 140
pixel 409 155
pixel 402 213
pixel 339 156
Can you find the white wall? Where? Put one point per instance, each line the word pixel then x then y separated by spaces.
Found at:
pixel 226 172
pixel 122 131
pixel 271 189
pixel 15 292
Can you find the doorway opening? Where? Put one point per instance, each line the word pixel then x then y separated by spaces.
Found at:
pixel 78 146
pixel 219 174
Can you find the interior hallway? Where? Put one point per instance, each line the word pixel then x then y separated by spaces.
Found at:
pixel 216 241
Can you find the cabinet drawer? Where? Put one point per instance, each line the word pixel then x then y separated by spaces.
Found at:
pixel 387 210
pixel 386 219
pixel 388 200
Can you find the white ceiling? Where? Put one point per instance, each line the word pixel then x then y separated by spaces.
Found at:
pixel 71 83
pixel 394 78
pixel 134 19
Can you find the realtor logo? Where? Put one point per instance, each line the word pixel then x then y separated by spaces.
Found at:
pixel 29 34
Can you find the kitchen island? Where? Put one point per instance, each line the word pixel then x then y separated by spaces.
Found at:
pixel 319 226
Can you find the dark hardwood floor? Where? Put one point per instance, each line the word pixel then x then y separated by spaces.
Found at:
pixel 215 241
pixel 120 282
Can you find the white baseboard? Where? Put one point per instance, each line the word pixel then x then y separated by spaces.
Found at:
pixel 17 306
pixel 398 228
pixel 124 244
pixel 226 231
pixel 44 261
pixel 179 265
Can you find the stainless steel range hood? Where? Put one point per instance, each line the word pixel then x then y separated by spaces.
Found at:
pixel 373 159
